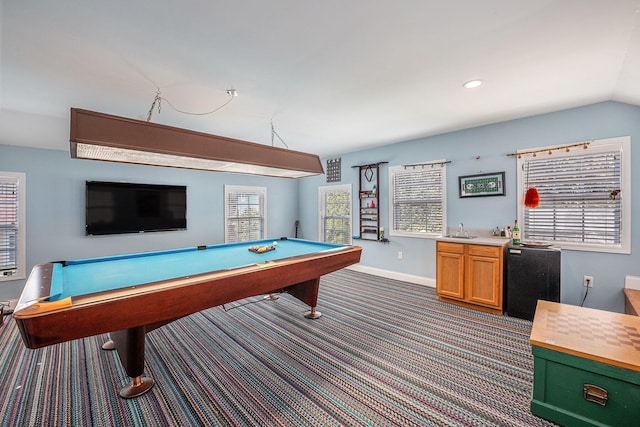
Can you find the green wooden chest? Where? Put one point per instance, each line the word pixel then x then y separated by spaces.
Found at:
pixel 586 366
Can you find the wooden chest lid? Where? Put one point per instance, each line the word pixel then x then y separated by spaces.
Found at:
pixel 603 336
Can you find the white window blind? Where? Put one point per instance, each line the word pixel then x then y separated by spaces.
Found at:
pixel 12 257
pixel 582 195
pixel 245 213
pixel 418 199
pixel 335 215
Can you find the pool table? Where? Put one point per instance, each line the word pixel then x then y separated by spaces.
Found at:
pixel 133 294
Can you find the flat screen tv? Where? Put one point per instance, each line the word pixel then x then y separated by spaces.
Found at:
pixel 117 207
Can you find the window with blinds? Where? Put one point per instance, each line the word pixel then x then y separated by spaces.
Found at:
pixel 335 214
pixel 245 213
pixel 12 258
pixel 418 199
pixel 582 197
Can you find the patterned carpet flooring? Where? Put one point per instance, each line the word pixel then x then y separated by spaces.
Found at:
pixel 384 353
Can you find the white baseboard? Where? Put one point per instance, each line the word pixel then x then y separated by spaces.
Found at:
pixel 394 275
pixel 632 282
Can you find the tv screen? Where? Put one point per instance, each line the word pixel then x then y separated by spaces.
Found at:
pixel 117 207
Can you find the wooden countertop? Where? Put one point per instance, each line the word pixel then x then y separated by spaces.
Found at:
pixel 479 240
pixel 603 336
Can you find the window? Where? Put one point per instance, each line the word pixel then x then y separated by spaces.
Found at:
pixel 12 226
pixel 418 200
pixel 335 214
pixel 584 196
pixel 245 213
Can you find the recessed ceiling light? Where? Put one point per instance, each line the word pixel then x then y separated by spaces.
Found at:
pixel 472 84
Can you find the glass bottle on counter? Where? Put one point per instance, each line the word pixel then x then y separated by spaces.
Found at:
pixel 515 234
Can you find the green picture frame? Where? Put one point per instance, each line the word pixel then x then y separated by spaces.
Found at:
pixel 482 185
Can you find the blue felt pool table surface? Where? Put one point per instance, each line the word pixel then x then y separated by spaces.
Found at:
pixel 131 295
pixel 85 276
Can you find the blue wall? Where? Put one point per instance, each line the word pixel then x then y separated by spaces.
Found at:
pixel 56 207
pixel 492 143
pixel 55 199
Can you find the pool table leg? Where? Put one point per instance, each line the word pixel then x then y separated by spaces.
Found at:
pixel 138 386
pixel 129 344
pixel 307 292
pixel 313 314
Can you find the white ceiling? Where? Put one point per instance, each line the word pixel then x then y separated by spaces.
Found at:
pixel 333 75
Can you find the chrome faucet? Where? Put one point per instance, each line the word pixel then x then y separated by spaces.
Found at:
pixel 461 231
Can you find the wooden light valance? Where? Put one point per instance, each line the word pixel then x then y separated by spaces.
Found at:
pixel 99 136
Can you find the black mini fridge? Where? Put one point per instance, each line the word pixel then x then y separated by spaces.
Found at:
pixel 533 273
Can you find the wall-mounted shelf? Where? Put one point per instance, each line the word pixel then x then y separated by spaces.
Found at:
pixel 369 197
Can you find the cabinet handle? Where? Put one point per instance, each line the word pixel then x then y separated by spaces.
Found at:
pixel 593 393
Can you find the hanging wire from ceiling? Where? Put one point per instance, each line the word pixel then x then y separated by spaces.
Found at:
pixel 566 148
pixel 157 104
pixel 275 134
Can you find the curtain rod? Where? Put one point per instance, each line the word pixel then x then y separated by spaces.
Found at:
pixel 414 165
pixel 369 166
pixel 566 148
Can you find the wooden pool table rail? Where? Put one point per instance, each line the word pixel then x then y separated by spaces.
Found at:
pixel 130 314
pixel 176 298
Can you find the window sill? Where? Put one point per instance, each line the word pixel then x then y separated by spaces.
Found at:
pixel 384 240
pixel 416 235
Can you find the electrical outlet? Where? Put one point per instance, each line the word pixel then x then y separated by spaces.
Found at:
pixel 587 281
pixel 400 255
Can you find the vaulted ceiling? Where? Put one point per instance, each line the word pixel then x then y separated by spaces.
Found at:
pixel 332 76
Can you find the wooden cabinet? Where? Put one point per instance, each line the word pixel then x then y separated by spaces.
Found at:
pixel 470 275
pixel 450 270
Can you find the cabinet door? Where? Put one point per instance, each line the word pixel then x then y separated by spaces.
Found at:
pixel 450 274
pixel 484 281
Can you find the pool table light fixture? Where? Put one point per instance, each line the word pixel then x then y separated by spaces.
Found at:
pixel 99 136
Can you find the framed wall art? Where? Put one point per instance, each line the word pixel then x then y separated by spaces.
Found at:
pixel 486 184
pixel 333 170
